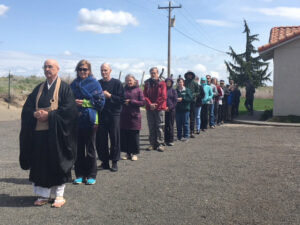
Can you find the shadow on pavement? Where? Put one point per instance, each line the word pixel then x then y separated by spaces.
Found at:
pixel 16 201
pixel 15 180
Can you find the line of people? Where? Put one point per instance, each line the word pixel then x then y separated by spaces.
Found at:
pixel 63 125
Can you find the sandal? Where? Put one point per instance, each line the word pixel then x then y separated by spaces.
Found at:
pixel 58 202
pixel 41 201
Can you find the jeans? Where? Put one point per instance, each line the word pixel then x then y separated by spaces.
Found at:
pixel 197 116
pixel 182 124
pixel 211 114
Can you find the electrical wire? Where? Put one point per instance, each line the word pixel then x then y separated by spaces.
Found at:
pixel 198 42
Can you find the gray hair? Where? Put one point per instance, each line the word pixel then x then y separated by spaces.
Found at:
pixel 153 68
pixel 130 76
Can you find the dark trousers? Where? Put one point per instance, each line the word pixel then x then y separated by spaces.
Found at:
pixel 235 109
pixel 169 126
pixel 216 111
pixel 192 117
pixel 130 141
pixel 249 104
pixel 204 116
pixel 109 126
pixel 86 161
pixel 220 114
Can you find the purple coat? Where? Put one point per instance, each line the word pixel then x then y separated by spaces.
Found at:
pixel 131 118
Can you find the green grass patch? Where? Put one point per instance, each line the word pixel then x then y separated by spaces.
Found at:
pixel 258 105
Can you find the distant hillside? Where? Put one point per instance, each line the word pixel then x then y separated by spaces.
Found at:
pixel 21 86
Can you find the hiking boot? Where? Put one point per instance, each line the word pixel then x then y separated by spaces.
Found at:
pixel 114 166
pixel 104 166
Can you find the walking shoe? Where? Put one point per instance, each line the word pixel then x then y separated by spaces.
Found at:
pixel 134 158
pixel 90 181
pixel 78 181
pixel 125 157
pixel 170 144
pixel 104 166
pixel 198 132
pixel 184 139
pixel 192 136
pixel 114 166
pixel 160 148
pixel 150 148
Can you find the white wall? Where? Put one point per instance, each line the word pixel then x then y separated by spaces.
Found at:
pixel 287 79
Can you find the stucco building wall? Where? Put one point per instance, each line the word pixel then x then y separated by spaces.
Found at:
pixel 287 79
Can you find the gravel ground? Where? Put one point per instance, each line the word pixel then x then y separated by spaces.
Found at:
pixel 235 174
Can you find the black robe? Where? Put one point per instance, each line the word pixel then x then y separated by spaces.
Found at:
pixel 49 154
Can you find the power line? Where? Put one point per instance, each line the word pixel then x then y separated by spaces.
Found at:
pixel 198 42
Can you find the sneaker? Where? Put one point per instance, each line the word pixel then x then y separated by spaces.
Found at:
pixel 78 181
pixel 150 148
pixel 90 181
pixel 125 157
pixel 114 166
pixel 184 139
pixel 160 148
pixel 170 144
pixel 104 166
pixel 198 132
pixel 192 136
pixel 134 158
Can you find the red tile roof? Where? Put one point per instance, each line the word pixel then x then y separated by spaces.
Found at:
pixel 279 35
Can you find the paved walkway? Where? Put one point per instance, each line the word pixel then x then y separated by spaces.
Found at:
pixel 255 120
pixel 233 174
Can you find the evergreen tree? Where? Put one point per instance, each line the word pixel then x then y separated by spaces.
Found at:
pixel 245 67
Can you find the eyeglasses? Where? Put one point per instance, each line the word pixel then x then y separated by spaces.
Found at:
pixel 82 69
pixel 47 66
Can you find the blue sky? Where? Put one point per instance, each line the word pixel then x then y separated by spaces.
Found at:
pixel 131 35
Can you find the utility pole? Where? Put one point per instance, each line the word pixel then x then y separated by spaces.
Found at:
pixel 9 96
pixel 170 24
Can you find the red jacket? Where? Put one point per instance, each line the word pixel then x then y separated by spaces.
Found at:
pixel 155 91
pixel 220 93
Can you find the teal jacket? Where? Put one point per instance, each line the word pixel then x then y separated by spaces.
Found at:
pixel 207 90
pixel 187 98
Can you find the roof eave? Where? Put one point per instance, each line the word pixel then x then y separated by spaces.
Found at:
pixel 269 53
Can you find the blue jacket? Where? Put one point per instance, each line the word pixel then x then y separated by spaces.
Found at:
pixel 207 90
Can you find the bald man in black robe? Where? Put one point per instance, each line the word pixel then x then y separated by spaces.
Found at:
pixel 48 136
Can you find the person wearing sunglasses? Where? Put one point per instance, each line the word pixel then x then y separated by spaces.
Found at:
pixel 90 100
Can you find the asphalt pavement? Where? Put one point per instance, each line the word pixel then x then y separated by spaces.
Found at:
pixel 233 174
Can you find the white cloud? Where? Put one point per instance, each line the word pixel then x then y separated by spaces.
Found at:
pixel 285 12
pixel 20 63
pixel 218 23
pixel 215 74
pixel 120 66
pixel 3 9
pixel 200 68
pixel 67 53
pixel 104 21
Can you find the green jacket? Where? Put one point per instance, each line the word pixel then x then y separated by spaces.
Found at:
pixel 194 88
pixel 187 98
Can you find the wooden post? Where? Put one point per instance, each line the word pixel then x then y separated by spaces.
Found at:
pixel 9 97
